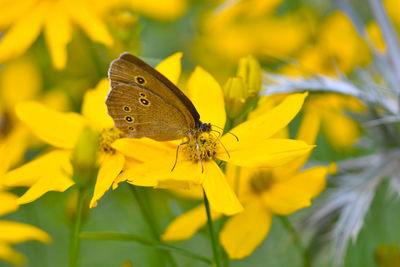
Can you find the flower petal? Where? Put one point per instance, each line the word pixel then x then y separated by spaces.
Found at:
pixel 171 67
pixel 56 128
pixel 8 254
pixel 264 153
pixel 46 173
pixel 292 194
pixel 8 203
pixel 244 232
pixel 94 107
pixel 144 149
pixel 348 134
pixel 187 224
pixel 266 125
pixel 23 33
pixel 219 193
pixel 206 95
pixel 14 233
pixel 109 170
pixel 58 33
pixel 90 23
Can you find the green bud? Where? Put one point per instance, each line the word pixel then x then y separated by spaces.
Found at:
pixel 235 96
pixel 250 71
pixel 84 157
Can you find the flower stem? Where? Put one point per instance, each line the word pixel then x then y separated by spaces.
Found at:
pixel 144 241
pixel 75 241
pixel 147 214
pixel 296 239
pixel 213 236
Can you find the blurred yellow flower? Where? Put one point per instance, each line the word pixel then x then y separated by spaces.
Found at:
pixel 255 148
pixel 12 233
pixel 330 109
pixel 22 21
pixel 156 9
pixel 338 47
pixel 251 27
pixel 263 192
pixel 375 34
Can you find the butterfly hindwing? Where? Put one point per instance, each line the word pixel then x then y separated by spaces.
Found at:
pixel 138 112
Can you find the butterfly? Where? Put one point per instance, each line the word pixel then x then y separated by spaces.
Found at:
pixel 144 103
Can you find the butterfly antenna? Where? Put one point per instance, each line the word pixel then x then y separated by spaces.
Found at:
pixel 177 151
pixel 219 133
pixel 226 150
pixel 237 138
pixel 198 153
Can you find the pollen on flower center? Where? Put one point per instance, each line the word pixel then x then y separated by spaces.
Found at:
pixel 261 181
pixel 207 144
pixel 107 137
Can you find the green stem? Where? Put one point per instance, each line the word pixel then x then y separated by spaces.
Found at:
pixel 75 241
pixel 213 236
pixel 147 214
pixel 296 239
pixel 143 241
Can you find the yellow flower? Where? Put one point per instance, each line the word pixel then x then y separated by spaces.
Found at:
pixel 53 171
pixel 255 147
pixel 263 192
pixel 14 232
pixel 337 46
pixel 330 110
pixel 23 21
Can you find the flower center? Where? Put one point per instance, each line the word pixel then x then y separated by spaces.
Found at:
pixel 107 137
pixel 207 144
pixel 261 181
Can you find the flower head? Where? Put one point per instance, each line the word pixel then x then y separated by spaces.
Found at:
pixel 253 148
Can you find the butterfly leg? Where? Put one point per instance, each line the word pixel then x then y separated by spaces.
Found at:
pixel 177 151
pixel 198 153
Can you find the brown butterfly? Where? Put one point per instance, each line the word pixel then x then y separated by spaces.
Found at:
pixel 144 103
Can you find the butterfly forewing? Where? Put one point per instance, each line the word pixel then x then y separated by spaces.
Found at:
pixel 128 69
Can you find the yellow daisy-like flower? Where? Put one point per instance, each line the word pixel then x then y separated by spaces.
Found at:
pixel 263 192
pixel 53 171
pixel 22 21
pixel 255 147
pixel 14 232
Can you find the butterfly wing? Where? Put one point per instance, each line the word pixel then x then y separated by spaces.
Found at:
pixel 139 112
pixel 128 69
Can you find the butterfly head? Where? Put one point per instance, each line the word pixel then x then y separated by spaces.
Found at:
pixel 203 127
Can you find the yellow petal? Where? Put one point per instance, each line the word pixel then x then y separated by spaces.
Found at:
pixel 206 95
pixel 109 170
pixel 244 232
pixel 290 195
pixel 14 233
pixel 219 193
pixel 58 33
pixel 10 255
pixel 163 10
pixel 264 153
pixel 50 172
pixel 195 192
pixel 23 33
pixel 12 149
pixel 56 128
pixel 88 20
pixel 348 133
pixel 308 132
pixel 94 107
pixel 264 126
pixel 13 10
pixel 187 224
pixel 143 149
pixel 8 203
pixel 171 67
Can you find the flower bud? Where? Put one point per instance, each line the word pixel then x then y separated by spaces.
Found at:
pixel 84 157
pixel 250 71
pixel 235 96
